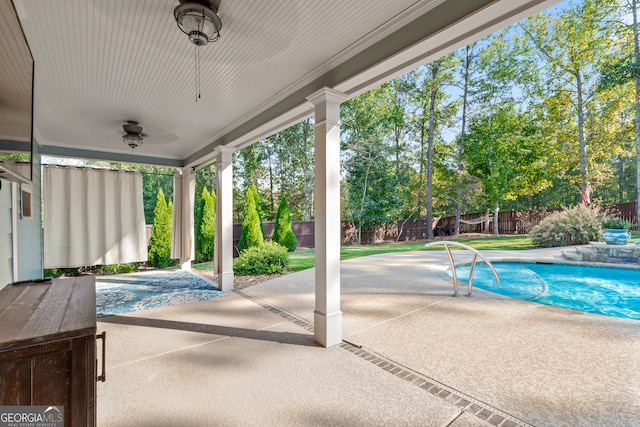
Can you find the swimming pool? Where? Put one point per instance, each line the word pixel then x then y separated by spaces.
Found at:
pixel 603 290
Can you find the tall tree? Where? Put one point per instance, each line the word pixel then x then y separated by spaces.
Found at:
pixel 627 69
pixel 282 231
pixel 370 192
pixel 293 167
pixel 573 45
pixel 206 226
pixel 431 97
pixel 160 242
pixel 307 134
pixel 395 113
pixel 467 65
pixel 252 233
pixel 506 152
pixel 248 170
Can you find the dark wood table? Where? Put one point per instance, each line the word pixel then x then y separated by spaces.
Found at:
pixel 48 347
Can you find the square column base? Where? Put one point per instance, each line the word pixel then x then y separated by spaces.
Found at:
pixel 225 281
pixel 327 328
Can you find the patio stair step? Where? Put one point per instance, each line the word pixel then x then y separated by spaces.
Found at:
pixel 572 256
pixel 601 252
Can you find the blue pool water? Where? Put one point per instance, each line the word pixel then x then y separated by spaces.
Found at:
pixel 602 290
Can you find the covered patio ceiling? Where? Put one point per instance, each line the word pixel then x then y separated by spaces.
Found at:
pixel 100 63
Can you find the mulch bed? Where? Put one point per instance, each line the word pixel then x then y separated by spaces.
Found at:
pixel 241 282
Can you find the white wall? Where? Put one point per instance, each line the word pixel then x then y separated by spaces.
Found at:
pixel 6 257
pixel 29 231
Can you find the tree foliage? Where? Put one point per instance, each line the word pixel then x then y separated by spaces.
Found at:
pixel 160 242
pixel 574 46
pixel 278 165
pixel 506 152
pixel 252 234
pixel 282 232
pixel 432 111
pixel 206 226
pixel 527 117
pixel 371 193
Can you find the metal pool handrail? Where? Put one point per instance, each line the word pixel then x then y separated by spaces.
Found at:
pixel 477 254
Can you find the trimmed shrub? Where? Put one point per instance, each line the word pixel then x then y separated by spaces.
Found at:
pixel 160 242
pixel 268 258
pixel 289 240
pixel 282 232
pixel 117 268
pixel 256 197
pixel 206 226
pixel 578 225
pixel 92 269
pixel 252 234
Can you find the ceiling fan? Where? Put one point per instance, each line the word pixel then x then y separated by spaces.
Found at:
pixel 133 134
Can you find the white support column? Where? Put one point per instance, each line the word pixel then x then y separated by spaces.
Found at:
pixel 184 190
pixel 223 248
pixel 327 315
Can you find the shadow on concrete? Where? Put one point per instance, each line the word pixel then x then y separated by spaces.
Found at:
pixel 263 335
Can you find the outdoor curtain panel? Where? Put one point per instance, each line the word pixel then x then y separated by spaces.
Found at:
pixel 92 217
pixel 181 234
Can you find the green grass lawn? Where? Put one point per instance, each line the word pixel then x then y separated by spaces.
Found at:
pixel 303 259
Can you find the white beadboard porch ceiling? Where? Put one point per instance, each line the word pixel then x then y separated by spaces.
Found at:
pixel 99 63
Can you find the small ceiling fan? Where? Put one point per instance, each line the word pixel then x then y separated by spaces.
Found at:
pixel 133 136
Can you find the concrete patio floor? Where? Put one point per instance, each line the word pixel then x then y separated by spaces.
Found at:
pixel 413 356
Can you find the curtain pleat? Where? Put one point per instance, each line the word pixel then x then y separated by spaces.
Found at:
pixel 182 227
pixel 92 217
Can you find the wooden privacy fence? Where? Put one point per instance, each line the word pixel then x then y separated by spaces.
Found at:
pixel 509 222
pixel 305 232
pixel 521 222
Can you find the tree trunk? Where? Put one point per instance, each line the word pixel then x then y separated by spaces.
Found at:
pixel 621 198
pixel 636 60
pixel 430 141
pixel 270 181
pixel 584 172
pixel 456 229
pixel 308 193
pixel 486 222
pixel 465 96
pixel 465 104
pixel 422 161
pixel 496 211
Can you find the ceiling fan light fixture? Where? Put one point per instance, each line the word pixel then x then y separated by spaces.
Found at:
pixel 133 136
pixel 198 20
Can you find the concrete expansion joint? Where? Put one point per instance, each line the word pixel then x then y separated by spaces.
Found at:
pixel 306 325
pixel 466 403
